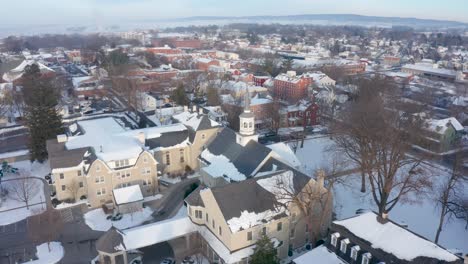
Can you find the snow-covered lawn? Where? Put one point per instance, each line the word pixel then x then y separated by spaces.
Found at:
pixel 9 202
pixel 67 205
pixel 31 169
pixel 315 155
pixel 48 257
pixel 421 217
pixel 96 219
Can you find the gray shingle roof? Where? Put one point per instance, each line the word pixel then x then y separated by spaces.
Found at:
pixel 110 241
pixel 168 139
pixel 194 199
pixel 59 157
pixel 245 159
pixel 247 195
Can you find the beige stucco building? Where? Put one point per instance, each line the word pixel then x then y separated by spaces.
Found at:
pixel 99 155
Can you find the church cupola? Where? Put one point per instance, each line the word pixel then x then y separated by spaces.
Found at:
pixel 246 124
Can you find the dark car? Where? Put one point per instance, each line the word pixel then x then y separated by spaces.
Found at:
pixel 168 261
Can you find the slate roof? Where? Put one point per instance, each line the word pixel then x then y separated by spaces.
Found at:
pixel 246 195
pixel 60 157
pixel 168 139
pixel 245 159
pixel 194 199
pixel 111 240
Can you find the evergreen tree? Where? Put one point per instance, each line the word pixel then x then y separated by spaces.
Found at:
pixel 287 64
pixel 179 96
pixel 40 113
pixel 264 252
pixel 212 96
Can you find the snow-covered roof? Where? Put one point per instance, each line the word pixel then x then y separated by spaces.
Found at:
pixel 128 194
pixel 221 166
pixel 111 141
pixel 440 125
pixel 389 236
pixel 194 120
pixel 430 69
pixel 283 152
pixel 142 236
pixel 257 100
pixel 319 255
pixel 18 72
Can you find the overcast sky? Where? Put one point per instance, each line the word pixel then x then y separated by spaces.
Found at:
pixel 114 11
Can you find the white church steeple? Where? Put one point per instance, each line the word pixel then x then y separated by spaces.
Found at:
pixel 246 123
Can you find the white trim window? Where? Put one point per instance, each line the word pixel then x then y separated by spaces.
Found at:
pixel 366 258
pixel 101 191
pixel 146 182
pixel 354 252
pixel 334 238
pixel 99 179
pixel 121 163
pixel 344 245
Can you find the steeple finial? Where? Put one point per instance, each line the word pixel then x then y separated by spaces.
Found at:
pixel 247 99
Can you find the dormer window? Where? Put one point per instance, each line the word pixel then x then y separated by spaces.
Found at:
pixel 344 245
pixel 354 252
pixel 366 257
pixel 334 238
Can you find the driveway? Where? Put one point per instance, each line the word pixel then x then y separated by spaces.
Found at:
pixel 155 253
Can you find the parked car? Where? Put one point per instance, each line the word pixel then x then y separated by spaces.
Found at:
pixel 168 261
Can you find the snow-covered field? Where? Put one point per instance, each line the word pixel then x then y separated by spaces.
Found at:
pixel 9 202
pixel 316 155
pixel 96 219
pixel 48 257
pixel 27 168
pixel 421 217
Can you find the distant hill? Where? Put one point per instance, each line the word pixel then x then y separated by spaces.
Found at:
pixel 334 19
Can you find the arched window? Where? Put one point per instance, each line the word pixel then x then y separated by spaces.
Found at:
pixel 250 125
pixel 245 124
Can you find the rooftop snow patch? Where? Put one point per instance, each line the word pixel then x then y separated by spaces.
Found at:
pixel 220 166
pixel 389 236
pixel 111 141
pixel 151 234
pixel 439 126
pixel 193 120
pixel 319 255
pixel 283 152
pixel 128 194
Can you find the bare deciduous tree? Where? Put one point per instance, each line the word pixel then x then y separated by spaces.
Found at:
pixel 451 197
pixel 24 189
pixel 376 138
pixel 74 188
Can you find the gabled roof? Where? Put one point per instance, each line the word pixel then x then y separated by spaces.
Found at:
pixel 111 242
pixel 196 121
pixel 245 159
pixel 167 140
pixel 60 157
pixel 246 195
pixel 392 239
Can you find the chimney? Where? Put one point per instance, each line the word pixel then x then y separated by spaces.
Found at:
pixel 194 109
pixel 141 137
pixel 185 108
pixel 62 138
pixel 384 216
pixel 321 178
pixel 200 111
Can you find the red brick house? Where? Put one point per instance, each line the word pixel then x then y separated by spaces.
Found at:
pixel 290 87
pixel 300 113
pixel 260 78
pixel 205 63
